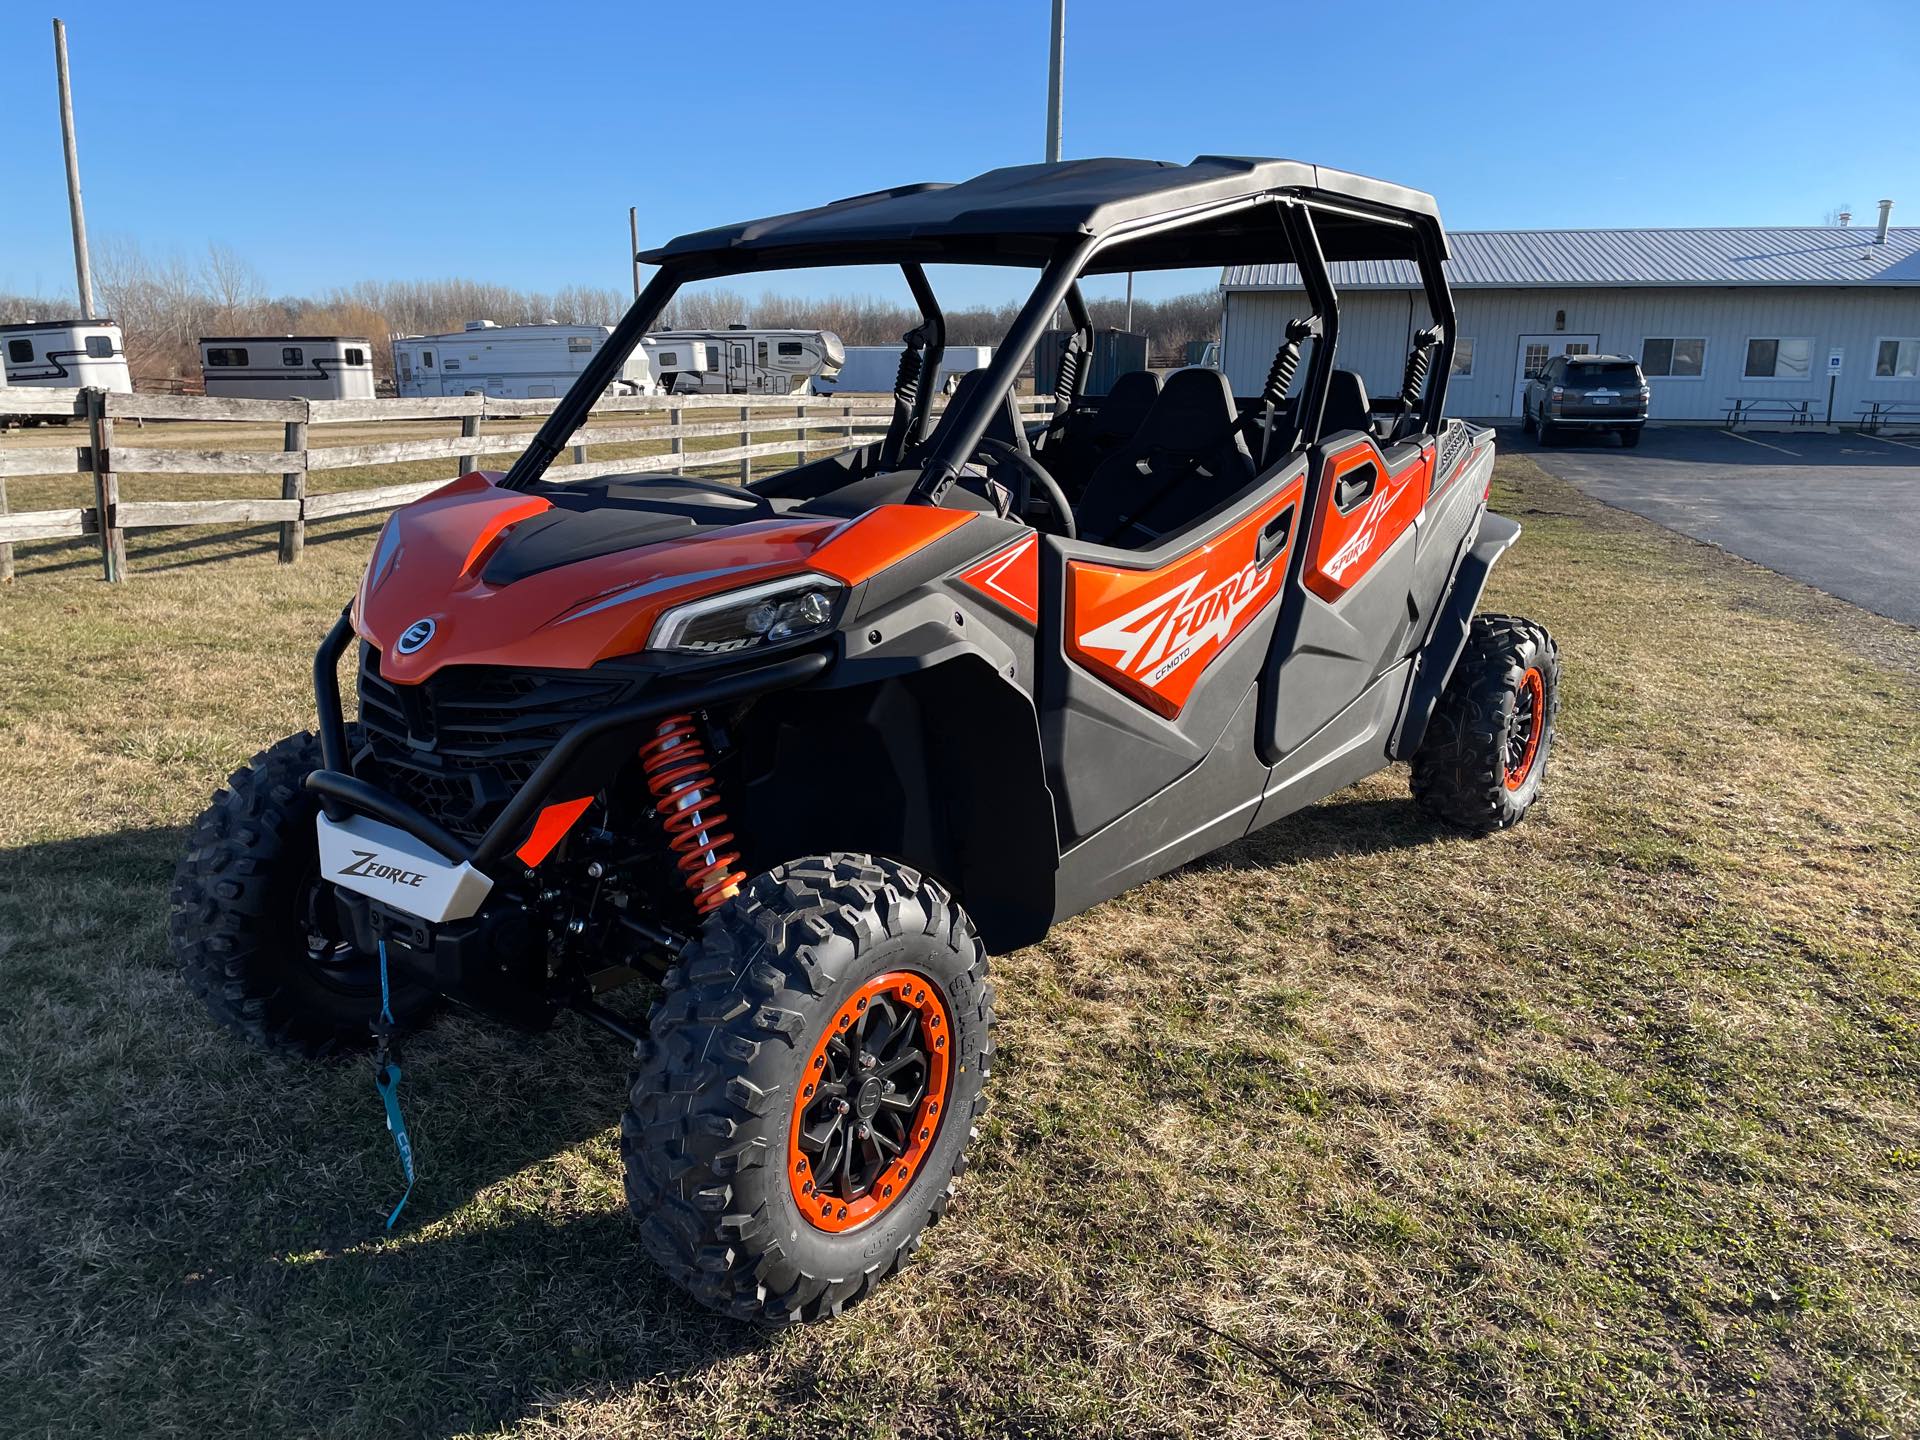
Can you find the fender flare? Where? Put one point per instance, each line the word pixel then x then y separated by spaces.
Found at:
pixel 1433 666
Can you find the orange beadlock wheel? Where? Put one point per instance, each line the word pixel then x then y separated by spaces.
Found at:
pixel 1529 723
pixel 870 1101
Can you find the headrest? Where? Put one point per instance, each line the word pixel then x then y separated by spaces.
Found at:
pixel 1123 407
pixel 1195 410
pixel 1347 407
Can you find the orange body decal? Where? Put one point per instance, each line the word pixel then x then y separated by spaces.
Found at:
pixel 1152 633
pixel 885 535
pixel 1344 547
pixel 1010 578
pixel 550 829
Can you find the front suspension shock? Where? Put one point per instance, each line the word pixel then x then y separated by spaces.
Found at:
pixel 679 774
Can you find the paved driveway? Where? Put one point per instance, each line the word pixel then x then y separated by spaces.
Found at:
pixel 1841 512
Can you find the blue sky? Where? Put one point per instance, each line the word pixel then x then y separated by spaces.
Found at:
pixel 503 142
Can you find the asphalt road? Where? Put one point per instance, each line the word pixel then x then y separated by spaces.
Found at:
pixel 1841 512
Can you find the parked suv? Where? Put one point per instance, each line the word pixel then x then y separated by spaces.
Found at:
pixel 1587 392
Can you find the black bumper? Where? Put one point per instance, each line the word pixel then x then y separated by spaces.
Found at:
pixel 341 792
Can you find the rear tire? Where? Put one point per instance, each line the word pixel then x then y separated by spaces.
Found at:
pixel 1547 431
pixel 252 922
pixel 1483 759
pixel 744 1035
pixel 1526 419
pixel 1630 438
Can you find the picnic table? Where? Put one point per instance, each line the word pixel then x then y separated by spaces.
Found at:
pixel 1742 408
pixel 1877 415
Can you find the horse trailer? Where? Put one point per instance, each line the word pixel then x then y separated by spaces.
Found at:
pixel 66 354
pixel 876 367
pixel 742 361
pixel 518 362
pixel 287 367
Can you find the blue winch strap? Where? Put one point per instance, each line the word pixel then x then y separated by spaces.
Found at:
pixel 387 1081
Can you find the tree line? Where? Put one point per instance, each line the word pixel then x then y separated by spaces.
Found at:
pixel 164 306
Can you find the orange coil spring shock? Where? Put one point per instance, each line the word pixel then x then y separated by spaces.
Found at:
pixel 680 777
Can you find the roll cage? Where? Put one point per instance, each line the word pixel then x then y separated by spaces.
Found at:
pixel 1070 220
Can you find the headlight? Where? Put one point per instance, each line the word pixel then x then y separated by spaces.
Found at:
pixel 769 614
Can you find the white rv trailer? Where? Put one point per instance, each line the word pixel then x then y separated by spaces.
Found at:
pixel 66 353
pixel 520 362
pixel 875 367
pixel 287 367
pixel 741 361
pixel 672 357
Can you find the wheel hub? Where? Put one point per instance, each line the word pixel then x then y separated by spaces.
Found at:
pixel 870 1101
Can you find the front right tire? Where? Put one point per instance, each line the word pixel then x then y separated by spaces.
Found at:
pixel 1483 759
pixel 801 1108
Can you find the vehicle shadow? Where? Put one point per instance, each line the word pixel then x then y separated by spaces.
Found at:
pixel 243 1194
pixel 1344 825
pixel 194 546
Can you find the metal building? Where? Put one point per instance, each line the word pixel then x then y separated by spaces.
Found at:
pixel 1815 324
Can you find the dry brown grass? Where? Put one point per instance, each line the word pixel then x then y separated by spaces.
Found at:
pixel 1608 1126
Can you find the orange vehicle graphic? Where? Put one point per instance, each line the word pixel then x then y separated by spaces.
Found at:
pixel 1152 633
pixel 1344 546
pixel 1010 578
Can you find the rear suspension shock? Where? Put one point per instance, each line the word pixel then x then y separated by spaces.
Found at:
pixel 679 774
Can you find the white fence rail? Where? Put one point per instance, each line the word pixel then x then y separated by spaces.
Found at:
pixel 814 424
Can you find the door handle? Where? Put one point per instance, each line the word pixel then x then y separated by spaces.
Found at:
pixel 1356 485
pixel 1273 537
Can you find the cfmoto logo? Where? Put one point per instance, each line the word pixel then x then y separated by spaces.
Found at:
pixel 415 637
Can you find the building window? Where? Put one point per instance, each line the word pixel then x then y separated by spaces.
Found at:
pixel 1673 359
pixel 578 344
pixel 1897 360
pixel 1536 360
pixel 20 352
pixel 1790 359
pixel 292 355
pixel 1462 356
pixel 791 349
pixel 225 355
pixel 354 356
pixel 100 347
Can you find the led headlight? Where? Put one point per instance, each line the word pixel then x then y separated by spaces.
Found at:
pixel 769 614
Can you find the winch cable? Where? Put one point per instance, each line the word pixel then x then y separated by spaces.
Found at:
pixel 386 1079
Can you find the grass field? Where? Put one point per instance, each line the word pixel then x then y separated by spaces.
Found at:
pixel 1607 1126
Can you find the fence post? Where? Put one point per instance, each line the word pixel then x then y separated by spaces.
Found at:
pixel 293 486
pixel 678 443
pixel 106 487
pixel 846 413
pixel 469 429
pixel 6 551
pixel 746 439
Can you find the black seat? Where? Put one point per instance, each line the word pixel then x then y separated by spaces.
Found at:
pixel 1112 419
pixel 1347 407
pixel 1187 456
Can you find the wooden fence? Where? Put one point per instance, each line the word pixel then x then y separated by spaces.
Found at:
pixel 813 423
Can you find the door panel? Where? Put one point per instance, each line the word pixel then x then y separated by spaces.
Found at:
pixel 1364 504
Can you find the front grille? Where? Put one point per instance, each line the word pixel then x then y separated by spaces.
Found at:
pixel 458 745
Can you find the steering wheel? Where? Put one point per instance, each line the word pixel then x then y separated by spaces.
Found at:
pixel 1031 473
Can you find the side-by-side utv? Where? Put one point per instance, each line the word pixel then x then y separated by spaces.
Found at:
pixel 811 748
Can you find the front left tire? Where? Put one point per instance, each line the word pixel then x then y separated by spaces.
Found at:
pixel 801 1108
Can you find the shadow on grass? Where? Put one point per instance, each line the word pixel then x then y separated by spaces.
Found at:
pixel 1346 825
pixel 184 547
pixel 240 1195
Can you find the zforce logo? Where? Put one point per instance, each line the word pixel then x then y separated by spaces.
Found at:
pixel 368 865
pixel 1170 629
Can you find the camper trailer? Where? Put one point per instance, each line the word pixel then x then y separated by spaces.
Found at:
pixel 672 357
pixel 876 367
pixel 66 353
pixel 741 361
pixel 519 362
pixel 287 367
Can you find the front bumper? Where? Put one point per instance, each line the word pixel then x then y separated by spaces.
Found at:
pixel 343 794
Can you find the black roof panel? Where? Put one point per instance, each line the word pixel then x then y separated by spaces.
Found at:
pixel 1020 214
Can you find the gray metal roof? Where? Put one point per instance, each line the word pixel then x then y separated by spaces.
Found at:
pixel 1518 259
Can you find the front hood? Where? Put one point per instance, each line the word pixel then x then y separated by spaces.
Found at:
pixel 431 565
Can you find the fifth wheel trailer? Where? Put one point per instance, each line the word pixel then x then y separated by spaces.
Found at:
pixel 876 367
pixel 744 361
pixel 518 362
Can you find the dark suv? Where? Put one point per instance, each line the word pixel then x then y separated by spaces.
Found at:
pixel 1586 392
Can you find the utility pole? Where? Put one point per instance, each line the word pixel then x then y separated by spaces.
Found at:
pixel 82 266
pixel 633 246
pixel 1056 78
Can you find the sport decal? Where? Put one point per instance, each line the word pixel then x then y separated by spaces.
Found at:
pixel 1152 633
pixel 1343 547
pixel 1010 578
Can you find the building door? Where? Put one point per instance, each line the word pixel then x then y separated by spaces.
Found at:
pixel 1534 353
